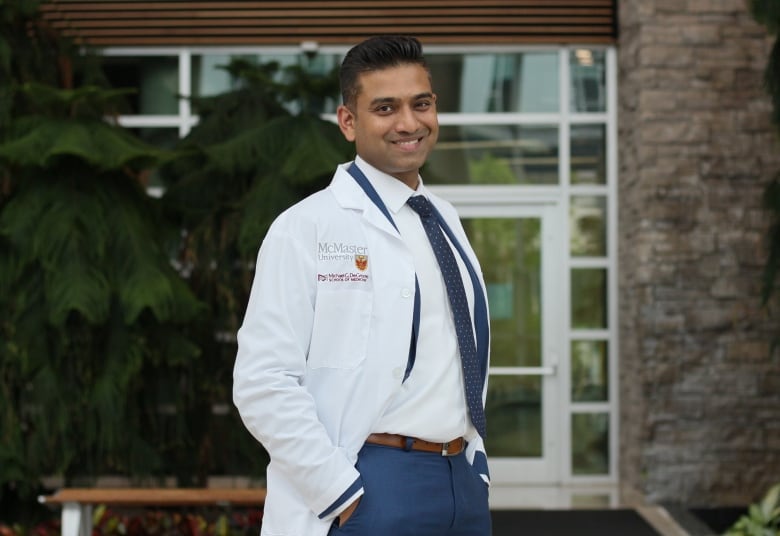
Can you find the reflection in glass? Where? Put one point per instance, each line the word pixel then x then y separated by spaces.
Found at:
pixel 502 83
pixel 509 253
pixel 209 76
pixel 588 226
pixel 494 154
pixel 589 374
pixel 589 298
pixel 588 80
pixel 155 77
pixel 588 154
pixel 590 443
pixel 514 416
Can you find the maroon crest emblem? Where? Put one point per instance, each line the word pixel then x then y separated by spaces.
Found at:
pixel 361 262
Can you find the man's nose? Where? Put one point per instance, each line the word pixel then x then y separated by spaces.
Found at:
pixel 407 120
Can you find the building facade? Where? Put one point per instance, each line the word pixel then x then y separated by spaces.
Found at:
pixel 608 160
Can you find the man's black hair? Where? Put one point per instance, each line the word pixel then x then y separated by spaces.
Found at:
pixel 374 54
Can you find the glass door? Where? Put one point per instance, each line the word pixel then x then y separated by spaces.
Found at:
pixel 519 250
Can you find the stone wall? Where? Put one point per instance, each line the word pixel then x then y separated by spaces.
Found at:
pixel 699 386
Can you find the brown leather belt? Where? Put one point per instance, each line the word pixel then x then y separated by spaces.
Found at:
pixel 450 448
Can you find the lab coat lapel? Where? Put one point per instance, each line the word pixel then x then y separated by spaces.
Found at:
pixel 351 196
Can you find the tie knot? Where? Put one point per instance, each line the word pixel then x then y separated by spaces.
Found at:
pixel 420 205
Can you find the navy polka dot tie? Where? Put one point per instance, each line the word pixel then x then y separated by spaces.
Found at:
pixel 460 308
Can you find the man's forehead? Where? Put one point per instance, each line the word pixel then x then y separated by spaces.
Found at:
pixel 401 81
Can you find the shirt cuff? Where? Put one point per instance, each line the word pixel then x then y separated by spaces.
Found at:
pixel 346 498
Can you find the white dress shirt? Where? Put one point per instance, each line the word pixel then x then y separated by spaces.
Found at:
pixel 431 404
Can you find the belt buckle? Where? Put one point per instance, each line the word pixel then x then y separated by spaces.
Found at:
pixel 445 449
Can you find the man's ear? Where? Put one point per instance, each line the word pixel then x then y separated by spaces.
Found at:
pixel 346 120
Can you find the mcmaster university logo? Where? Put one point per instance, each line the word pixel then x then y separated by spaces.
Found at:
pixel 335 256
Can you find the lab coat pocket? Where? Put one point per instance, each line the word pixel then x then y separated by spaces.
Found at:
pixel 342 319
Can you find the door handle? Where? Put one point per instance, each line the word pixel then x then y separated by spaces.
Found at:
pixel 552 370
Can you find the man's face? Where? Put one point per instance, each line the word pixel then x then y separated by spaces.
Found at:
pixel 393 121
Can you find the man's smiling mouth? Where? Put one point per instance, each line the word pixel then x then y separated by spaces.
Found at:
pixel 408 143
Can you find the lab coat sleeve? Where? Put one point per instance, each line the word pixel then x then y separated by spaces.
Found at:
pixel 267 379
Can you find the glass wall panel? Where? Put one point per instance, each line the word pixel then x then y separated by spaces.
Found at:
pixel 514 415
pixel 588 69
pixel 509 252
pixel 588 154
pixel 487 83
pixel 494 154
pixel 588 225
pixel 589 371
pixel 589 298
pixel 156 79
pixel 590 443
pixel 590 500
pixel 500 150
pixel 210 76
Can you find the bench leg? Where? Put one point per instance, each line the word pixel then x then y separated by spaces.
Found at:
pixel 76 519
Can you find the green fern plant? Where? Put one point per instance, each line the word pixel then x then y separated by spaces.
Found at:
pixel 92 309
pixel 91 297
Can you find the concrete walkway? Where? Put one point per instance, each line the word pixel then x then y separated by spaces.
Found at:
pixel 662 521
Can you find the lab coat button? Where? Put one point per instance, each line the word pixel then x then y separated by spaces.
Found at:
pixel 406 293
pixel 397 373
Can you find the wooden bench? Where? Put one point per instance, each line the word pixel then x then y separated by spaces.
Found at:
pixel 77 503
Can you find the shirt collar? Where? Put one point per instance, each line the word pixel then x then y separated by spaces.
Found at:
pixel 393 192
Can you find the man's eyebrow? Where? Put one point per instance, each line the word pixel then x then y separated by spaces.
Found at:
pixel 390 100
pixel 382 100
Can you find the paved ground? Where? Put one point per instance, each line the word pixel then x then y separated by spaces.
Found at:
pixel 666 520
pixel 586 522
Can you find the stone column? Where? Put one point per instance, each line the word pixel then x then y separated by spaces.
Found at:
pixel 699 385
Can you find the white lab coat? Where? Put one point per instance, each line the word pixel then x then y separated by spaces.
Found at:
pixel 324 346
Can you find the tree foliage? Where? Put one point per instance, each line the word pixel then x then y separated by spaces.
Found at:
pixel 767 12
pixel 763 518
pixel 92 308
pixel 256 150
pixel 119 310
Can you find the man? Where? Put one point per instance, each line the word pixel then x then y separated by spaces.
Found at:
pixel 356 370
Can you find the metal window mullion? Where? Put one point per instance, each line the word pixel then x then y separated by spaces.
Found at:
pixel 152 121
pixel 612 274
pixel 588 118
pixel 594 190
pixel 565 180
pixel 510 118
pixel 590 335
pixel 185 91
pixel 589 262
pixel 591 407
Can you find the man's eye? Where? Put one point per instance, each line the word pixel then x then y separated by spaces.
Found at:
pixel 423 105
pixel 384 109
